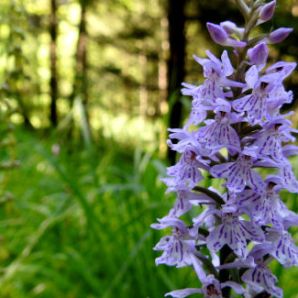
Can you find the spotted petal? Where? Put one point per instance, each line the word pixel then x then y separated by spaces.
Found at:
pixel 260 278
pixel 285 250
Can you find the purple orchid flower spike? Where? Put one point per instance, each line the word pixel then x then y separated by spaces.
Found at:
pixel 236 128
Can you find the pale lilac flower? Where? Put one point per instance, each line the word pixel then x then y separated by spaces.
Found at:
pixel 219 133
pixel 260 278
pixel 186 200
pixel 288 179
pixel 177 248
pixel 239 173
pixel 234 232
pixel 212 288
pixel 255 105
pixel 216 71
pixel 283 248
pixel 264 208
pixel 185 174
pixel 270 139
pixel 184 137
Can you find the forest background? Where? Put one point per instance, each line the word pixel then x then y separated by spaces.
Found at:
pixel 87 91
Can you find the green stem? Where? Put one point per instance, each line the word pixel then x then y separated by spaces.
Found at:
pixel 263 295
pixel 217 198
pixel 224 274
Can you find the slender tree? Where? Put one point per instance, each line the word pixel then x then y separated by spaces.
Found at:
pixel 80 84
pixel 176 63
pixel 53 63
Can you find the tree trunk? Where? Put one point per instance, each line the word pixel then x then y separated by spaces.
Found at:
pixel 80 84
pixel 176 64
pixel 53 63
pixel 143 92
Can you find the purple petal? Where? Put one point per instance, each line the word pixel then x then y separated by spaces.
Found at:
pixel 222 170
pixel 252 76
pixel 228 233
pixel 286 252
pixel 198 267
pixel 289 180
pixel 233 285
pixel 231 28
pixel 252 231
pixel 235 43
pixel 227 65
pixel 184 293
pixel 217 33
pixel 283 68
pixel 258 54
pixel 216 239
pixel 239 263
pixel 253 104
pixel 261 278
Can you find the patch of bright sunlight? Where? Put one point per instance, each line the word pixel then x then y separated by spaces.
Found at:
pixel 16 119
pixel 44 167
pixel 39 289
pixel 129 130
pixel 36 121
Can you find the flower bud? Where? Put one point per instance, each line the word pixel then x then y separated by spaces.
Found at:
pixel 217 33
pixel 267 11
pixel 220 36
pixel 231 28
pixel 258 54
pixel 279 34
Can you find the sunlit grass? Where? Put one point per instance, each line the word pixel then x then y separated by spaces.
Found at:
pixel 79 225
